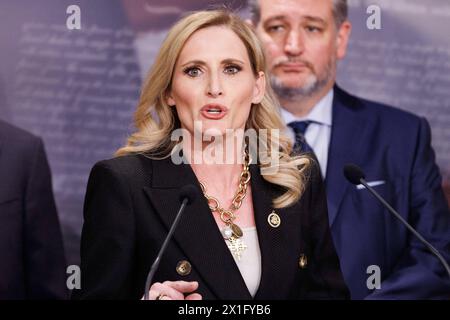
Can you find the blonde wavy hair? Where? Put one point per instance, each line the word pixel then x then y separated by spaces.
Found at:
pixel 155 119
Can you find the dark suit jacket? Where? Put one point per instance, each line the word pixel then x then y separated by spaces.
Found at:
pixel 32 262
pixel 391 146
pixel 130 204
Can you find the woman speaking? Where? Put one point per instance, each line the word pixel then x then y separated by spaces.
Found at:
pixel 259 227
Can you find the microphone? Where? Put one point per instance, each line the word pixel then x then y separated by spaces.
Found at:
pixel 188 193
pixel 355 175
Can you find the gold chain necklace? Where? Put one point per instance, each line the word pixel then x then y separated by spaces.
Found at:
pixel 232 232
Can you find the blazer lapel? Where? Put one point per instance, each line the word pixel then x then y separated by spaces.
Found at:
pixel 274 242
pixel 345 147
pixel 197 234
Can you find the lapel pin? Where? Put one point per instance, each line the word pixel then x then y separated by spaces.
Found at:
pixel 274 219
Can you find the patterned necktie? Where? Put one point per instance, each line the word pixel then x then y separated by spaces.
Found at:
pixel 299 128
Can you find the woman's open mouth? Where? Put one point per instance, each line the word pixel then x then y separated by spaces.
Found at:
pixel 214 111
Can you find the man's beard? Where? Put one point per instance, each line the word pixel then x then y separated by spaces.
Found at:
pixel 312 85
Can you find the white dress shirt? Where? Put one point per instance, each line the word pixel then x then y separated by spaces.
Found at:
pixel 318 133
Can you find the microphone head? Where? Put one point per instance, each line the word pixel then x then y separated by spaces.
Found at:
pixel 188 192
pixel 353 173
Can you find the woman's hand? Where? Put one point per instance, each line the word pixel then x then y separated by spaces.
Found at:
pixel 174 290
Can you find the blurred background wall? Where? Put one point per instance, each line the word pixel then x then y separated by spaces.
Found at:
pixel 77 89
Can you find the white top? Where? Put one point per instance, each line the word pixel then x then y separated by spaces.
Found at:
pixel 318 133
pixel 250 263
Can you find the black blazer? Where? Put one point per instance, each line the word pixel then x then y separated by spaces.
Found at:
pixel 130 204
pixel 32 262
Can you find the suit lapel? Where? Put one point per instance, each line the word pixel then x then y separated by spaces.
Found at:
pixel 200 240
pixel 274 242
pixel 197 234
pixel 345 146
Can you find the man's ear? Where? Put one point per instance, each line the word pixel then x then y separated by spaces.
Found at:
pixel 260 88
pixel 343 35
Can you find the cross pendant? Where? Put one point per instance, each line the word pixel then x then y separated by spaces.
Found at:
pixel 236 246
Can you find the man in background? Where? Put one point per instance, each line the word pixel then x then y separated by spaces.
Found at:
pixel 303 40
pixel 32 262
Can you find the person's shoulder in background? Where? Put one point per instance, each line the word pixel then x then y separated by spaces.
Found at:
pixel 33 262
pixel 19 152
pixel 17 140
pixel 386 125
pixel 391 116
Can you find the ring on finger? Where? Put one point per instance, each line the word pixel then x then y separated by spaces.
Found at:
pixel 161 296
